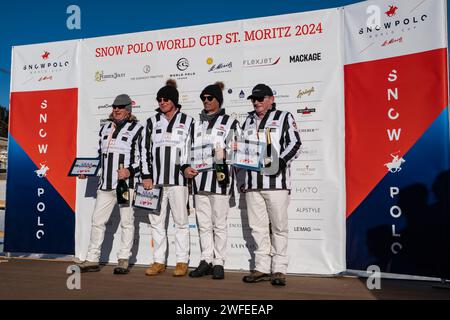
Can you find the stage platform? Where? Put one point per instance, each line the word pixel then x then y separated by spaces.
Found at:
pixel 46 279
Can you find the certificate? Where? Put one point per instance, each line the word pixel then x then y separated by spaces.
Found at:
pixel 85 166
pixel 248 155
pixel 202 158
pixel 147 199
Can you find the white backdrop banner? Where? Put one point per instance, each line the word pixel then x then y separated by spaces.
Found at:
pixel 298 55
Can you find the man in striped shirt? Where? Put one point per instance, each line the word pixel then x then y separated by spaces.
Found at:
pixel 165 150
pixel 214 132
pixel 119 144
pixel 267 190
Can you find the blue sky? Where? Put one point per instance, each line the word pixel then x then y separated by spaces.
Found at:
pixel 28 21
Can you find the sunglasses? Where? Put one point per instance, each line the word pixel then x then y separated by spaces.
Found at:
pixel 119 107
pixel 209 98
pixel 162 99
pixel 259 99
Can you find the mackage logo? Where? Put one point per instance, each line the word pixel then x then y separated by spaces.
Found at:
pixel 305 57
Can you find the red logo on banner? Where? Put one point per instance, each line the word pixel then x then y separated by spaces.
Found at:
pixel 392 11
pixel 45 55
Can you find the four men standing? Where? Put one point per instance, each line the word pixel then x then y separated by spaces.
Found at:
pixel 166 161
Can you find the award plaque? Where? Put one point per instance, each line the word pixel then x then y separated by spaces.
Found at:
pixel 202 158
pixel 248 155
pixel 147 199
pixel 84 166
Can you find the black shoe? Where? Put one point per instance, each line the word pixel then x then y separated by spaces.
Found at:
pixel 218 272
pixel 120 270
pixel 256 276
pixel 278 279
pixel 203 269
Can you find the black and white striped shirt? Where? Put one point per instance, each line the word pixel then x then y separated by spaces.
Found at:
pixel 221 130
pixel 165 149
pixel 119 145
pixel 286 143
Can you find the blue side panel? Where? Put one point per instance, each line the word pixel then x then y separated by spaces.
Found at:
pixel 34 209
pixel 408 232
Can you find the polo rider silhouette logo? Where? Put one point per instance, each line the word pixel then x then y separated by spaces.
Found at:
pixel 392 11
pixel 42 172
pixel 45 55
pixel 395 165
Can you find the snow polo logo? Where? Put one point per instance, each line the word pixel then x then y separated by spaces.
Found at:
pixel 392 11
pixel 42 172
pixel 45 55
pixel 395 165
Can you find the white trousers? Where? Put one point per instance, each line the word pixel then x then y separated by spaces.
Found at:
pixel 174 197
pixel 212 211
pixel 104 205
pixel 264 207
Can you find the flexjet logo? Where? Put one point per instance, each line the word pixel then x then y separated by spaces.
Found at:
pixel 260 62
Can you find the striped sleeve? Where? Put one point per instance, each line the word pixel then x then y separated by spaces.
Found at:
pixel 292 139
pixel 185 160
pixel 232 137
pixel 135 153
pixel 146 154
pixel 99 151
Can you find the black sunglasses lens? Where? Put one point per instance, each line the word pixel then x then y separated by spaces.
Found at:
pixel 162 99
pixel 259 99
pixel 119 107
pixel 209 98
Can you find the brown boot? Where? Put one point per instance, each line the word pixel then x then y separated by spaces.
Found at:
pixel 155 269
pixel 180 269
pixel 122 267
